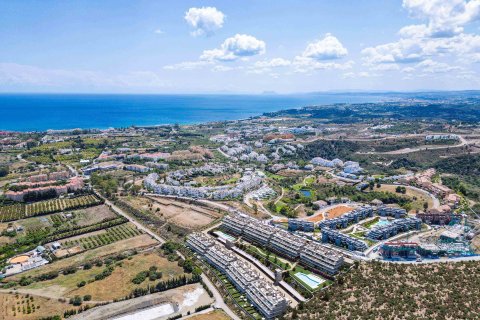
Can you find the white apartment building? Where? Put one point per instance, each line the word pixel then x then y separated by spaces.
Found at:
pixel 220 257
pixel 236 223
pixel 287 244
pixel 269 300
pixel 259 233
pixel 200 242
pixel 318 257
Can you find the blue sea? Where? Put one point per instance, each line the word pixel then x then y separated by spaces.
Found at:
pixel 39 112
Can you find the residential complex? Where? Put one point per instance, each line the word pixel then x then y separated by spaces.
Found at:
pixel 283 243
pixel 319 258
pixel 269 300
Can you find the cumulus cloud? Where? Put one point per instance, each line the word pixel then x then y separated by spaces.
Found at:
pixel 442 35
pixel 238 46
pixel 445 18
pixel 328 48
pixel 204 20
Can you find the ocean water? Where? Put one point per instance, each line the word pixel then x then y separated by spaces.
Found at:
pixel 38 112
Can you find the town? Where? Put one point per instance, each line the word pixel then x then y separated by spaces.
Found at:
pixel 263 218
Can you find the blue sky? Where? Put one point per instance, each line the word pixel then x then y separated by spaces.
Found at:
pixel 246 46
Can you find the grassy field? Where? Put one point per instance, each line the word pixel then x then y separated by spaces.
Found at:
pixel 212 315
pixel 418 198
pixel 27 306
pixel 117 285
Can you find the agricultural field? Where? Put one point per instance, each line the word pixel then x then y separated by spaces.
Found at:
pixel 28 306
pixel 21 211
pixel 114 286
pixel 99 238
pixel 136 243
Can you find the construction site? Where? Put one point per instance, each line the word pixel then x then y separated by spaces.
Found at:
pixel 438 242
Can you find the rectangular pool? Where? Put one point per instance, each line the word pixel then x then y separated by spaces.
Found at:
pixel 310 280
pixel 224 236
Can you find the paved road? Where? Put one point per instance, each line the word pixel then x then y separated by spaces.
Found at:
pixel 219 303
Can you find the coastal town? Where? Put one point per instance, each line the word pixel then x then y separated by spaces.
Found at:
pixel 261 218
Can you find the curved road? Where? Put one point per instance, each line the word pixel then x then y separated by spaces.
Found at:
pixel 219 303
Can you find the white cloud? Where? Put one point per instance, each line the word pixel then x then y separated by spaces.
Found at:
pixel 266 66
pixel 272 63
pixel 328 48
pixel 12 74
pixel 238 46
pixel 445 18
pixel 159 31
pixel 442 36
pixel 205 20
pixel 305 65
pixel 187 65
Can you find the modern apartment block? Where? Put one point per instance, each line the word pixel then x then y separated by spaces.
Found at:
pixel 241 274
pixel 220 257
pixel 268 300
pixel 341 239
pixel 397 213
pixel 351 217
pixel 287 244
pixel 301 225
pixel 392 229
pixel 283 243
pixel 259 233
pixel 236 223
pixel 200 242
pixel 320 258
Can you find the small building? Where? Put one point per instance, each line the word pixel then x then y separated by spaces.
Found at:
pixel 40 249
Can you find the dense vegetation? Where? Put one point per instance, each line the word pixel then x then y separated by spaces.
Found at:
pixel 399 291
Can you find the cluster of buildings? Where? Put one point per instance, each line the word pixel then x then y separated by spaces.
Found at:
pixel 343 240
pixel 294 247
pixel 26 261
pixel 137 168
pixel 52 176
pixel 347 167
pixel 440 218
pixel 263 193
pixel 424 181
pixel 44 187
pixel 402 250
pixel 390 229
pixel 353 216
pixel 268 299
pixel 301 225
pixel 438 137
pixel 249 181
pixel 103 166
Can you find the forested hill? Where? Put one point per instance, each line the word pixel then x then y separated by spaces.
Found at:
pixel 467 110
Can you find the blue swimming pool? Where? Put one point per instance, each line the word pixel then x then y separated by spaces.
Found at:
pixel 310 280
pixel 224 236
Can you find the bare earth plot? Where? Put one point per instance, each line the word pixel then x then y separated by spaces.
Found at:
pixel 179 213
